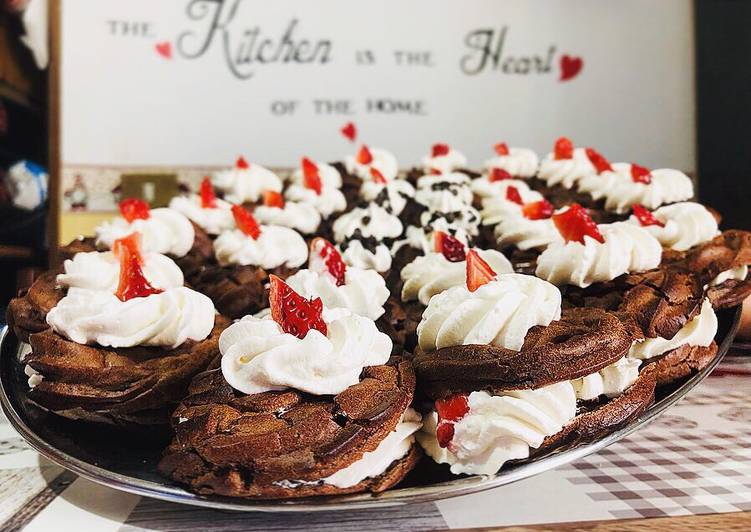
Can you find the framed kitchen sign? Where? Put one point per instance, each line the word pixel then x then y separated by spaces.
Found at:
pixel 173 89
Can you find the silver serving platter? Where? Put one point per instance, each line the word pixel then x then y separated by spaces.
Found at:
pixel 108 457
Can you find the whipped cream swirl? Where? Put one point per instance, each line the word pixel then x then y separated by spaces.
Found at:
pixel 392 196
pixel 167 319
pixel 275 246
pixel 432 274
pixel 212 220
pixel 370 221
pixel 330 176
pixel 597 185
pixel 627 248
pixel 499 428
pixel 432 190
pixel 485 188
pixel 700 331
pixel 164 231
pixel 520 162
pixel 565 172
pixel 241 185
pixel 447 206
pixel 302 217
pixel 498 207
pixel 453 160
pixel 687 224
pixel 329 201
pixel 97 270
pixel 364 291
pixel 366 254
pixel 667 186
pixel 523 233
pixel 498 313
pixel 258 356
pixel 423 238
pixel 383 161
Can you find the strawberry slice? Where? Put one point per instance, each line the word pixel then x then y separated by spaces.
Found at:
pixel 324 257
pixel 349 131
pixel 132 242
pixel 377 176
pixel 132 283
pixel 563 149
pixel 479 272
pixel 512 194
pixel 440 150
pixel 538 210
pixel 450 411
pixel 295 314
pixel 435 171
pixel 364 156
pixel 134 209
pixel 449 246
pixel 245 221
pixel 600 163
pixel 311 176
pixel 272 198
pixel 208 197
pixel 645 217
pixel 501 148
pixel 640 174
pixel 575 223
pixel 498 174
pixel 241 163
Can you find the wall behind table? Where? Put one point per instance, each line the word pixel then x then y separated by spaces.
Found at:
pixel 193 83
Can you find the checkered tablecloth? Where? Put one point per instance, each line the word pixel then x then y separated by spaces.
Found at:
pixel 695 459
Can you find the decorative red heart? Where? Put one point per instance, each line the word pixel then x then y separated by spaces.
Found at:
pixel 570 66
pixel 349 131
pixel 164 49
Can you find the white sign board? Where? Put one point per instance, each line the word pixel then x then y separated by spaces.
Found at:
pixel 194 83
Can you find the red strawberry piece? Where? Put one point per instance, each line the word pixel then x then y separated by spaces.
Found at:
pixel 501 148
pixel 450 247
pixel 498 174
pixel 479 272
pixel 132 242
pixel 311 176
pixel 600 163
pixel 245 221
pixel 364 156
pixel 645 217
pixel 132 283
pixel 575 223
pixel 439 150
pixel 295 314
pixel 450 411
pixel 640 174
pixel 564 148
pixel 208 197
pixel 272 198
pixel 324 257
pixel 349 131
pixel 134 209
pixel 512 194
pixel 241 163
pixel 435 171
pixel 377 176
pixel 538 210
